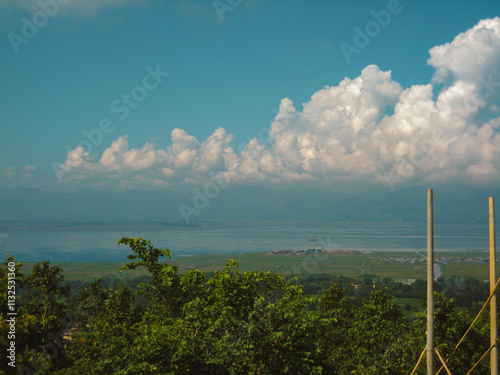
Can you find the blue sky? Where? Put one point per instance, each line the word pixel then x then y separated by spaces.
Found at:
pixel 233 98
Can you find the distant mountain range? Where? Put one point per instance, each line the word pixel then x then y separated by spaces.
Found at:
pixel 243 204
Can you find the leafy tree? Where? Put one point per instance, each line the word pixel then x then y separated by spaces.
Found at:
pixel 164 290
pixel 382 338
pixel 91 302
pixel 102 344
pixel 11 280
pixel 43 290
pixel 449 327
pixel 335 317
pixel 232 322
pixel 43 301
pixel 252 322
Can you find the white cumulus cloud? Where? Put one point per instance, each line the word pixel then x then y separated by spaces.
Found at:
pixel 23 173
pixel 368 127
pixel 80 7
pixel 470 55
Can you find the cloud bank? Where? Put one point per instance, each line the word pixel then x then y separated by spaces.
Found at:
pixel 82 7
pixel 368 128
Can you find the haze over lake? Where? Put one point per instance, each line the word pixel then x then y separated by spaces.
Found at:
pixel 86 246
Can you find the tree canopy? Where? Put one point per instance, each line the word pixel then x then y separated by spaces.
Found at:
pixel 228 322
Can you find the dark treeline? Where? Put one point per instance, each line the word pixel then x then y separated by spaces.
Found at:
pixel 466 292
pixel 232 322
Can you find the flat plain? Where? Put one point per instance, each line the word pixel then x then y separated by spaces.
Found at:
pixel 394 265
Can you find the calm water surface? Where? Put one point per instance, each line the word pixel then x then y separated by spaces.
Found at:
pixel 88 246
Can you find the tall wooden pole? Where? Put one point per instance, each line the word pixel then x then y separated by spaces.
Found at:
pixel 430 284
pixel 494 299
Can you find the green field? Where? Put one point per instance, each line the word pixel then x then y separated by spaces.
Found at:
pixel 352 265
pixel 409 306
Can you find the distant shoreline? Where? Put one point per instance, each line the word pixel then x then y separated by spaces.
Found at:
pixel 392 264
pixel 159 225
pixel 74 242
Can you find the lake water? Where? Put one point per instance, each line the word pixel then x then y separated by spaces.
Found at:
pixel 88 246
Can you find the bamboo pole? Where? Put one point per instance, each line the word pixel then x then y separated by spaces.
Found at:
pixel 480 359
pixel 472 325
pixel 443 362
pixel 418 362
pixel 430 283
pixel 494 299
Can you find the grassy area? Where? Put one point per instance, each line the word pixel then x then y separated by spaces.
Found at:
pixel 409 306
pixel 339 264
pixel 475 270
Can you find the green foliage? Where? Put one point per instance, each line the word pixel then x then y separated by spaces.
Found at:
pixel 11 280
pixel 383 337
pixel 39 323
pixel 102 343
pixel 44 302
pixel 164 290
pixel 44 288
pixel 233 322
pixel 91 302
pixel 449 327
pixel 335 317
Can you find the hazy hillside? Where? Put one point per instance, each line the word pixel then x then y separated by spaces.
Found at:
pixel 244 204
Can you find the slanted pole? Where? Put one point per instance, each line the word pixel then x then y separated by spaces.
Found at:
pixel 430 284
pixel 494 299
